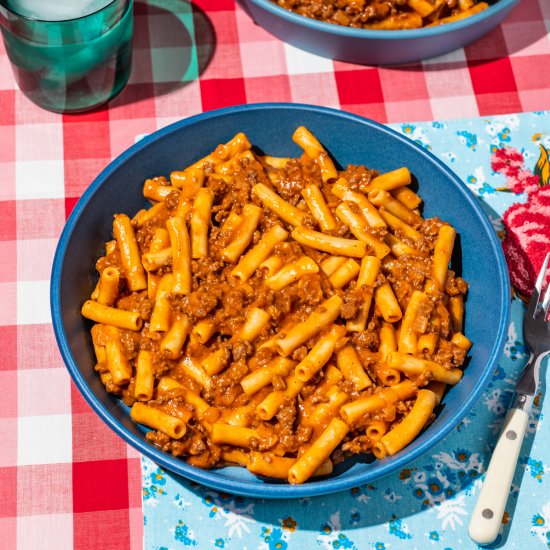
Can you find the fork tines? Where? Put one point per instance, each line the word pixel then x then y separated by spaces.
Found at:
pixel 535 304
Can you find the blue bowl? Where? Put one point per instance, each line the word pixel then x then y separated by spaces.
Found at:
pixel 373 47
pixel 350 139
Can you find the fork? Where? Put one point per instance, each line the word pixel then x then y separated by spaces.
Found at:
pixel 489 509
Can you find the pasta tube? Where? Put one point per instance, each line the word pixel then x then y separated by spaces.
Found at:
pixel 378 197
pixel 117 362
pixel 350 366
pixel 370 266
pixel 331 264
pixel 243 233
pixel 291 273
pixel 254 257
pixel 200 221
pixel 330 244
pixel 269 407
pixel 320 353
pixel 318 207
pixel 234 435
pixel 385 300
pixel 408 337
pixel 129 252
pixel 108 286
pixel 392 180
pixel 326 313
pixel 274 202
pixel 442 254
pixel 357 223
pixel 256 320
pixel 313 148
pixel 262 377
pixel 143 389
pixel 414 366
pixel 156 191
pixel 106 315
pixel 345 273
pixel 160 318
pixel 319 451
pixel 171 344
pixel 181 255
pixel 158 420
pixel 400 436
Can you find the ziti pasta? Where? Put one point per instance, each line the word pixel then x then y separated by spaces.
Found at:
pixel 387 15
pixel 279 313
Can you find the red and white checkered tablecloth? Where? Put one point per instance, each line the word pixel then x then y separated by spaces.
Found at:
pixel 65 479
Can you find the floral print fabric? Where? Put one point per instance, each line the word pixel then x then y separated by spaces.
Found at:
pixel 427 504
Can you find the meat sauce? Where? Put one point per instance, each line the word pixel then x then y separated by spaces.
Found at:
pixel 217 296
pixel 368 13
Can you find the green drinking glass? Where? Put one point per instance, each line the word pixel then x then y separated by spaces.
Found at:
pixel 68 56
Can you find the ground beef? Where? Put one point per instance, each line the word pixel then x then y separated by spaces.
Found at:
pixel 200 304
pixel 365 13
pixel 455 286
pixel 220 296
pixel 172 201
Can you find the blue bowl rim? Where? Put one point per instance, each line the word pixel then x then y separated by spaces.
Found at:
pixel 209 478
pixel 349 32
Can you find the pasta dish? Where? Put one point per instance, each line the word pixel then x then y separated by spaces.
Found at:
pixel 385 14
pixel 279 313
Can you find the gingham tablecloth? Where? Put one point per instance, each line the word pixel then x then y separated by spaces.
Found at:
pixel 65 479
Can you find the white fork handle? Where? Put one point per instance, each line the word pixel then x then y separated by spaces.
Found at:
pixel 489 509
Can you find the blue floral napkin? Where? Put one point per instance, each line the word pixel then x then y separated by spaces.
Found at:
pixel 428 504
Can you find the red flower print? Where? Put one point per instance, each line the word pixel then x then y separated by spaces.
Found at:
pixel 527 239
pixel 510 163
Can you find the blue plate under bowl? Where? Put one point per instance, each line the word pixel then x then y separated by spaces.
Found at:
pixel 350 139
pixel 373 47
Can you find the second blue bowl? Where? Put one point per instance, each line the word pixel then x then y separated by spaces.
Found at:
pixel 373 47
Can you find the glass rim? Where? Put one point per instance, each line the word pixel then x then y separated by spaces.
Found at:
pixel 38 20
